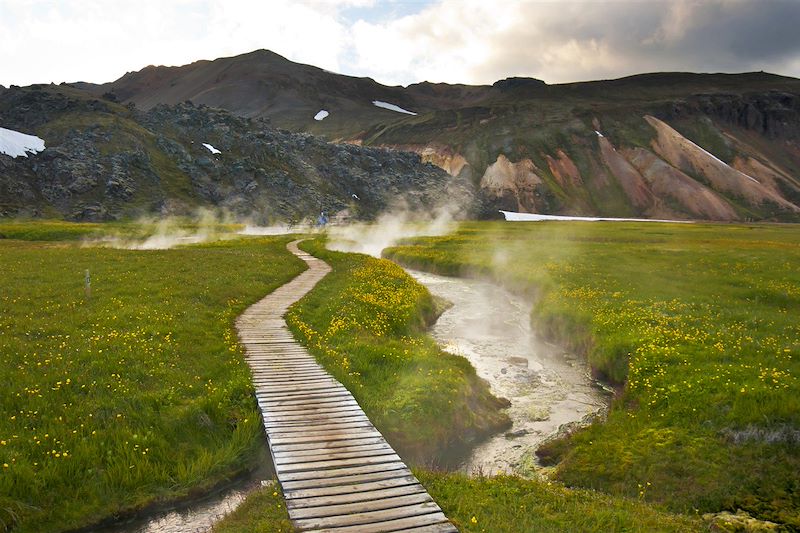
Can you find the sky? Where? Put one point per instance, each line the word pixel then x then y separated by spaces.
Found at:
pixel 398 42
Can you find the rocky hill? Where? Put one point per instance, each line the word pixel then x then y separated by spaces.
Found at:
pixel 669 145
pixel 104 160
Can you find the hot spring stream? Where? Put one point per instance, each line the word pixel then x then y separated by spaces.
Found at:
pixel 547 387
pixel 489 326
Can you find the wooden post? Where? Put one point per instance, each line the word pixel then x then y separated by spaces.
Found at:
pixel 87 285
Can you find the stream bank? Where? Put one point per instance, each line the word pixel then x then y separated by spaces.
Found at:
pixel 549 389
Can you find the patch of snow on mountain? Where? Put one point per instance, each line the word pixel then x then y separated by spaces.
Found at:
pixel 15 144
pixel 511 216
pixel 391 107
pixel 321 115
pixel 211 149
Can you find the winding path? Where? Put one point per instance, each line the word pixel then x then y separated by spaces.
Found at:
pixel 336 470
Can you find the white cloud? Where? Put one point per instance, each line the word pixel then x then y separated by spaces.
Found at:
pixel 456 41
pixel 470 41
pixel 98 40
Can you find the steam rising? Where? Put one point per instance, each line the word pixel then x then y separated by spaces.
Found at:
pixel 166 233
pixel 278 229
pixel 389 229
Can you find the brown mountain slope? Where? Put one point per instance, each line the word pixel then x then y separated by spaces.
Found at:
pixel 680 145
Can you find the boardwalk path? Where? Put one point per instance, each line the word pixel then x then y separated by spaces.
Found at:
pixel 336 470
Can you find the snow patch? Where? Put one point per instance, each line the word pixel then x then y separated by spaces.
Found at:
pixel 511 216
pixel 391 107
pixel 211 149
pixel 15 144
pixel 321 115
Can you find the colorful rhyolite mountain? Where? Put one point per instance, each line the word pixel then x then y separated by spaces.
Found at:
pixel 667 146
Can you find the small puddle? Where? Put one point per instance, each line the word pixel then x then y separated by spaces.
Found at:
pixel 199 516
pixel 547 387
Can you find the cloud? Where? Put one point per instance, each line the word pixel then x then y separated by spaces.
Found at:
pixel 472 42
pixel 98 40
pixel 457 41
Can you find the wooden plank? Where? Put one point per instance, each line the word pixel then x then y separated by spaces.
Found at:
pixel 289 376
pixel 338 499
pixel 353 488
pixel 271 367
pixel 283 369
pixel 327 401
pixel 266 397
pixel 332 409
pixel 285 468
pixel 278 359
pixel 375 447
pixel 401 524
pixel 293 377
pixel 268 402
pixel 339 429
pixel 296 412
pixel 295 381
pixel 345 481
pixel 287 394
pixel 341 472
pixel 345 397
pixel 289 367
pixel 443 527
pixel 330 445
pixel 333 404
pixel 319 425
pixel 335 511
pixel 339 454
pixel 298 417
pixel 327 436
pixel 317 420
pixel 361 519
pixel 268 385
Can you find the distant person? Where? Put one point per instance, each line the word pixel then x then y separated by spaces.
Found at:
pixel 322 220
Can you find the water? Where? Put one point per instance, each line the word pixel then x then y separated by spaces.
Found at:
pixel 547 387
pixel 199 516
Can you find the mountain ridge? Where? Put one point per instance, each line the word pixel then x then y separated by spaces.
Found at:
pixel 106 161
pixel 597 148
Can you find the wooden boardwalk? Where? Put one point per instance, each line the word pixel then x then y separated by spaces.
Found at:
pixel 337 471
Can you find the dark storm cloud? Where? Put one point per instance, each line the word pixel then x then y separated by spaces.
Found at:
pixel 584 40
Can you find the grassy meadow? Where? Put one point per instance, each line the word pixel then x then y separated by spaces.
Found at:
pixel 365 323
pixel 134 394
pixel 696 325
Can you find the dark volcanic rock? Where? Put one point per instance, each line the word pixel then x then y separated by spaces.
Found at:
pixel 107 161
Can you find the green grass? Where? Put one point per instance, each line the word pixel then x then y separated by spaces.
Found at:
pixel 126 230
pixel 135 395
pixel 365 322
pixel 512 504
pixel 696 324
pixel 262 512
pixel 52 230
pixel 359 319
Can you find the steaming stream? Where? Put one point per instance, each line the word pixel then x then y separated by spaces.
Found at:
pixel 547 388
